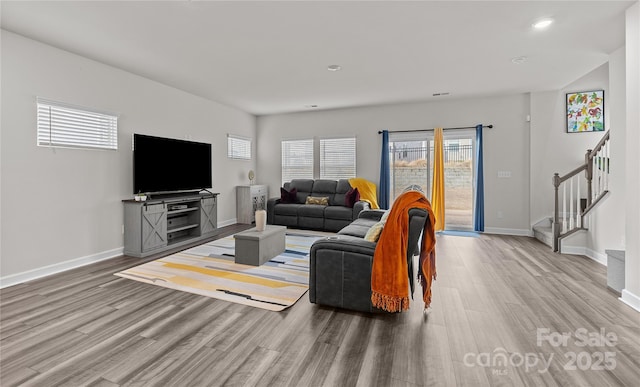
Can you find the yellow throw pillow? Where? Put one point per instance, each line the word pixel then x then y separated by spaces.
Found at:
pixel 374 232
pixel 324 201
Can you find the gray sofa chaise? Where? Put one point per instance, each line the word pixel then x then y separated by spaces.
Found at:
pixel 332 217
pixel 340 266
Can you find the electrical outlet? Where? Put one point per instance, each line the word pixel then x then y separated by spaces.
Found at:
pixel 500 215
pixel 123 229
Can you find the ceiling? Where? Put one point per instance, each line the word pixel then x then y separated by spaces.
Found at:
pixel 271 57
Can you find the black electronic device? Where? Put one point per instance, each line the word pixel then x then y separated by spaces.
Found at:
pixel 166 165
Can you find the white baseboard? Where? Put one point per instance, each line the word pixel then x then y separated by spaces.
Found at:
pixel 29 275
pixel 228 222
pixel 580 250
pixel 596 256
pixel 630 299
pixel 18 278
pixel 508 231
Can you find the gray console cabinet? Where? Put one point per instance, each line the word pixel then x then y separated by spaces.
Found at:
pixel 249 199
pixel 158 225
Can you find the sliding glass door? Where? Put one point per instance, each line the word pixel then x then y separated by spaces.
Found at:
pixel 411 163
pixel 458 181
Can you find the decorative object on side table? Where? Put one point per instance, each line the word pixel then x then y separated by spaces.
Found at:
pixel 585 111
pixel 261 220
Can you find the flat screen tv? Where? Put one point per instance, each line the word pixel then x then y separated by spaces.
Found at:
pixel 165 165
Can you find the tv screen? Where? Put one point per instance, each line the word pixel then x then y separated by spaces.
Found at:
pixel 170 165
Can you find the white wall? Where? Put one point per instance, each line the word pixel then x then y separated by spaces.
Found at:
pixel 552 148
pixel 631 293
pixel 607 222
pixel 62 204
pixel 506 146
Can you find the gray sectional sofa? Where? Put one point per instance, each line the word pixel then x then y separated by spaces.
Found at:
pixel 332 217
pixel 340 266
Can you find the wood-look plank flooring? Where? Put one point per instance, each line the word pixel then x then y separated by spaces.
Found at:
pixel 87 327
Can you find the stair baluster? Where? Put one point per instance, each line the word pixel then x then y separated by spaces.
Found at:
pixel 564 208
pixel 571 204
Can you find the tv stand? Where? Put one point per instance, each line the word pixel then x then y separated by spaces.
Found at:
pixel 168 222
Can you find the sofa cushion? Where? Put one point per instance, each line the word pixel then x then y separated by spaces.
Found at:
pixel 289 209
pixel 358 228
pixel 351 197
pixel 311 210
pixel 286 220
pixel 342 188
pixel 312 223
pixel 337 212
pixel 303 186
pixel 373 234
pixel 288 196
pixel 323 187
pixel 323 201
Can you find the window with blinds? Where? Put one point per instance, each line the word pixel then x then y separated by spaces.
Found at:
pixel 238 147
pixel 297 159
pixel 67 126
pixel 337 158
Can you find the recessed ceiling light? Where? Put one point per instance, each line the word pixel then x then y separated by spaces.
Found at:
pixel 311 106
pixel 334 67
pixel 542 23
pixel 519 59
pixel 440 94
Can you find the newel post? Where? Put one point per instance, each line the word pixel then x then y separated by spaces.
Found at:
pixel 588 160
pixel 556 215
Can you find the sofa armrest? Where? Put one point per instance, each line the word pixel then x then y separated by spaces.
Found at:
pixel 360 206
pixel 340 272
pixel 371 214
pixel 271 204
pixel 344 243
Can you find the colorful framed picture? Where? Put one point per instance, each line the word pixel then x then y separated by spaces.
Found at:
pixel 585 111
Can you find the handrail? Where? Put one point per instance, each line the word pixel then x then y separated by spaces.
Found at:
pixel 601 192
pixel 600 144
pixel 572 174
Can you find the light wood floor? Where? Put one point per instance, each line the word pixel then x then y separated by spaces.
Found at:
pixel 89 327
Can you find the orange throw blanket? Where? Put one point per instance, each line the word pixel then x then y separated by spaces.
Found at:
pixel 389 274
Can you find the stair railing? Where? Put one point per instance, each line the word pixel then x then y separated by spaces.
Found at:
pixel 596 178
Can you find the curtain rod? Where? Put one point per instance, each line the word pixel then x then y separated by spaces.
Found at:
pixel 432 129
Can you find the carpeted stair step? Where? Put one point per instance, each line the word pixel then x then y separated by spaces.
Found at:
pixel 544 234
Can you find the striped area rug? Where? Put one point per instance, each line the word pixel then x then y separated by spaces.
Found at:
pixel 209 270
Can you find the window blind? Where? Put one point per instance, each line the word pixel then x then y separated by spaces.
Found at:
pixel 337 158
pixel 238 147
pixel 297 159
pixel 62 125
